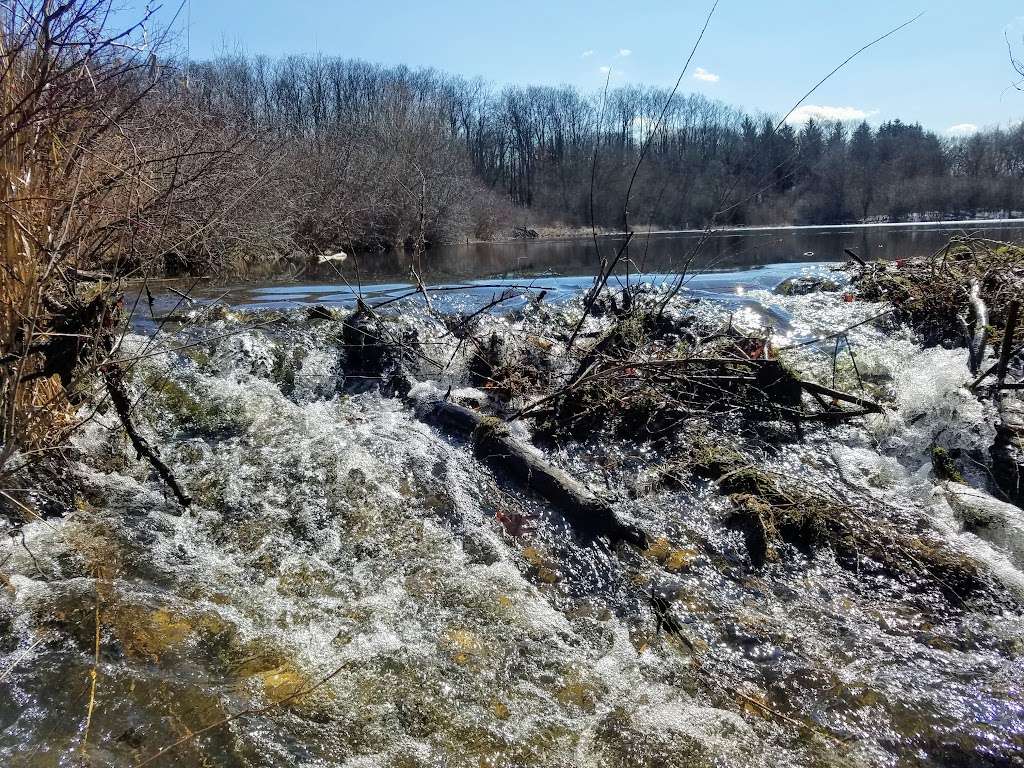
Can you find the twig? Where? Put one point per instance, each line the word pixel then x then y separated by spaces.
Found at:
pixel 244 713
pixel 24 654
pixel 94 672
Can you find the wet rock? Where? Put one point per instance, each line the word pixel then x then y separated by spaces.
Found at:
pixel 672 734
pixel 801 286
pixel 479 546
pixel 995 521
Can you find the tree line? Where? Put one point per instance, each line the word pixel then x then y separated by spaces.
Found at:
pixel 361 156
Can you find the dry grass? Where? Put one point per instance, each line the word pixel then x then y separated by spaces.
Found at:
pixel 34 405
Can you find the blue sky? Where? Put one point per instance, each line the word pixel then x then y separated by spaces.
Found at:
pixel 950 68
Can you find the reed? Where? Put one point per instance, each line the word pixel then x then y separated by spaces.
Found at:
pixel 33 403
pixel 92 182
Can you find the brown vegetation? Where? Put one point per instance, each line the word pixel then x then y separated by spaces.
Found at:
pixel 100 183
pixel 933 292
pixel 382 157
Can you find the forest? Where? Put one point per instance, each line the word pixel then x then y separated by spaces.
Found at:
pixel 361 156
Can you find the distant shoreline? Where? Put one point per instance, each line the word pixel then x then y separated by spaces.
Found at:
pixel 549 234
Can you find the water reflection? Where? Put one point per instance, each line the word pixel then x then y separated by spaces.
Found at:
pixel 668 251
pixel 565 267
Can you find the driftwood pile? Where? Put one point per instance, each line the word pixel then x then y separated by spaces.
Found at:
pixel 649 377
pixel 643 378
pixel 967 294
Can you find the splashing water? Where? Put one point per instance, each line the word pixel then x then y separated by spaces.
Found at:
pixel 348 589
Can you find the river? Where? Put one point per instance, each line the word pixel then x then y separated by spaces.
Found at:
pixel 432 614
pixel 567 264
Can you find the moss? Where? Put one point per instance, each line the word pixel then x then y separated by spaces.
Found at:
pixel 175 397
pixel 576 692
pixel 287 364
pixel 192 411
pixel 283 682
pixel 199 355
pixel 944 466
pixel 489 427
pixel 464 648
pixel 771 511
pixel 674 560
pixel 680 559
pixel 631 332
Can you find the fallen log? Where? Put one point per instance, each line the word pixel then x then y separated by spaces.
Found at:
pixel 817 389
pixel 590 516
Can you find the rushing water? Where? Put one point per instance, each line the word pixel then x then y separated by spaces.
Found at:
pixel 435 616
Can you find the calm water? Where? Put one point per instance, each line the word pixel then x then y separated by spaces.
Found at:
pixel 563 267
pixel 669 251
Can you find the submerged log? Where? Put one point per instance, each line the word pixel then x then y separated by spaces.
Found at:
pixel 995 521
pixel 769 509
pixel 590 516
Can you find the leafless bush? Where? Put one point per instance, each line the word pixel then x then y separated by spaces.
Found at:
pixel 100 182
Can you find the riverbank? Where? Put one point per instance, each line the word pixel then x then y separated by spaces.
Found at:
pixel 566 232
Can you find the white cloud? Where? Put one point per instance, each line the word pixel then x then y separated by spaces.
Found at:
pixel 588 53
pixel 624 52
pixel 604 70
pixel 962 129
pixel 703 74
pixel 820 112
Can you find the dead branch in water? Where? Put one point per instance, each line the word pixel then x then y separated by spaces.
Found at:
pixel 372 355
pixel 590 516
pixel 113 379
